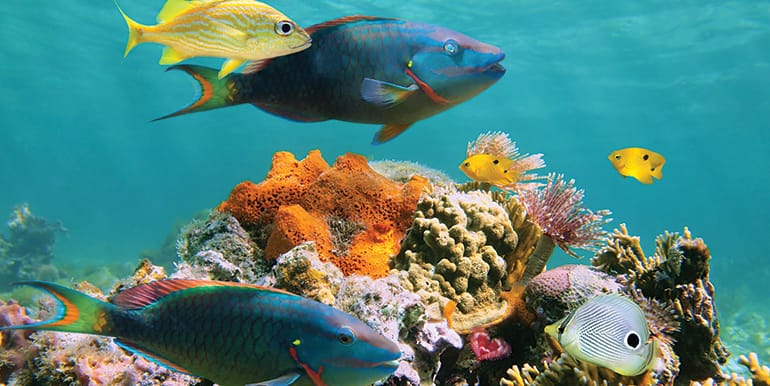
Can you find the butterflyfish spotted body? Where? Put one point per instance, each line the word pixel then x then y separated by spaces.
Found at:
pixel 239 30
pixel 360 69
pixel 609 331
pixel 640 163
pixel 230 333
pixel 493 158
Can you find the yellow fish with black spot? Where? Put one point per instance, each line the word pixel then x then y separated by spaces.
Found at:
pixel 640 163
pixel 239 30
pixel 494 170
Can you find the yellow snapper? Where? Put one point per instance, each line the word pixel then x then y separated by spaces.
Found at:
pixel 637 162
pixel 239 30
pixel 609 331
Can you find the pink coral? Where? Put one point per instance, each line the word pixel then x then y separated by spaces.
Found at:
pixel 487 348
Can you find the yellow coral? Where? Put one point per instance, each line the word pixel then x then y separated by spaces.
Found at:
pixel 760 374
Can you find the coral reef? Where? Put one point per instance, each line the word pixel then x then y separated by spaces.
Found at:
pixel 677 275
pixel 458 247
pixel 298 201
pixel 403 171
pixel 28 250
pixel 558 209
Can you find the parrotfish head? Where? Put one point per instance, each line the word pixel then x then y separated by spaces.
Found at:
pixel 347 352
pixel 454 66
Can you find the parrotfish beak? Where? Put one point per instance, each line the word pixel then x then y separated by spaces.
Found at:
pixel 495 68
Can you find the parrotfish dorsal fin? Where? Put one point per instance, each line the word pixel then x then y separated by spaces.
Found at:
pixel 173 8
pixel 341 21
pixel 152 357
pixel 146 294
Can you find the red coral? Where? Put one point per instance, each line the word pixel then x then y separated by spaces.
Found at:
pixel 487 348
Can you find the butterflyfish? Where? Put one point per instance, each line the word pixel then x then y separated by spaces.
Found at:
pixel 640 163
pixel 361 69
pixel 609 331
pixel 493 158
pixel 233 334
pixel 239 30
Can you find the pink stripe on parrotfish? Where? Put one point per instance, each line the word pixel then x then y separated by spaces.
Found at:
pixel 231 333
pixel 362 69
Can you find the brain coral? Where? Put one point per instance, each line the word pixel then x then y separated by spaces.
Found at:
pixel 458 245
pixel 356 216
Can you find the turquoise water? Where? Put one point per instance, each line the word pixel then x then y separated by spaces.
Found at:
pixel 689 79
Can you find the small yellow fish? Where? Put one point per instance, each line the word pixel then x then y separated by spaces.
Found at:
pixel 637 162
pixel 239 30
pixel 493 158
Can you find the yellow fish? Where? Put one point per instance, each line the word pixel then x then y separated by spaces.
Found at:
pixel 239 30
pixel 490 169
pixel 493 158
pixel 637 162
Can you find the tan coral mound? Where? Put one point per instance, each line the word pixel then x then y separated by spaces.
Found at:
pixel 356 216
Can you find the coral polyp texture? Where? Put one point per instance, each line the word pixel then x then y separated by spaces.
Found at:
pixel 458 247
pixel 356 216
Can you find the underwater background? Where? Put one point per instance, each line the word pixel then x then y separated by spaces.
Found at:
pixel 690 80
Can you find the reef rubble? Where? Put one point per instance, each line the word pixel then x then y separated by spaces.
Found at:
pixel 437 267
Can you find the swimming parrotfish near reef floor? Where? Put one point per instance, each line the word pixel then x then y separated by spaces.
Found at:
pixel 360 69
pixel 230 333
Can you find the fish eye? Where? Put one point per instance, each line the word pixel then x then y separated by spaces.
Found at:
pixel 560 329
pixel 632 340
pixel 652 170
pixel 467 164
pixel 617 156
pixel 346 336
pixel 284 27
pixel 451 47
pixel 646 157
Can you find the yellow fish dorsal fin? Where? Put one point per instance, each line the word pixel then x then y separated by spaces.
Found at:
pixel 172 8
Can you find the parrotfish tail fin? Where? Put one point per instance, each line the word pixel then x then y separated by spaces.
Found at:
pixel 214 92
pixel 134 31
pixel 388 132
pixel 78 312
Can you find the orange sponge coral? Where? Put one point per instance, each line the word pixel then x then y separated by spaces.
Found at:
pixel 307 201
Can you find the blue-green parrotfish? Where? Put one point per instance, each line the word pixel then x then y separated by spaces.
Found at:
pixel 360 69
pixel 230 333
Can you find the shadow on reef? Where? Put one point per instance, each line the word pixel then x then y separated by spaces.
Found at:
pixel 28 250
pixel 433 266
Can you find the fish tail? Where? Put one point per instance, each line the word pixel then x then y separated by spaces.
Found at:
pixel 214 92
pixel 134 31
pixel 78 312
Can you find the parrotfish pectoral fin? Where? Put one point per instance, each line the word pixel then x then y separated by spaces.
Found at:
pixel 214 92
pixel 388 132
pixel 150 356
pixel 384 93
pixel 229 66
pixel 283 380
pixel 171 56
pixel 78 312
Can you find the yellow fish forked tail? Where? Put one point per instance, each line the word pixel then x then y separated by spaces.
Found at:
pixel 135 31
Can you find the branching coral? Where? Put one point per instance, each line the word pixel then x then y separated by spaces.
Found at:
pixel 565 370
pixel 558 209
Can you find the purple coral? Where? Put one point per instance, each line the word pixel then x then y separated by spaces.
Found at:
pixel 558 210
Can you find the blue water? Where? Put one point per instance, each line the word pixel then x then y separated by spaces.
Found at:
pixel 688 79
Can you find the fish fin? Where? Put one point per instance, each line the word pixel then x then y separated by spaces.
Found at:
pixel 171 56
pixel 214 92
pixel 644 178
pixel 134 31
pixel 172 8
pixel 150 356
pixel 78 312
pixel 256 65
pixel 283 380
pixel 657 171
pixel 342 20
pixel 290 114
pixel 384 93
pixel 388 132
pixel 229 66
pixel 146 294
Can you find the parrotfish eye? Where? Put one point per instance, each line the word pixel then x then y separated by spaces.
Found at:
pixel 632 340
pixel 284 27
pixel 451 47
pixel 346 336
